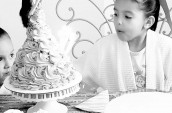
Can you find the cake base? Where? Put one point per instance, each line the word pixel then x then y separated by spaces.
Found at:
pixel 51 106
pixel 44 95
pixel 46 99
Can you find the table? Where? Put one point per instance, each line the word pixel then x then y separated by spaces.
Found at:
pixel 9 102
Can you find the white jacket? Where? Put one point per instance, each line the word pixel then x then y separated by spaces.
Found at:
pixel 108 64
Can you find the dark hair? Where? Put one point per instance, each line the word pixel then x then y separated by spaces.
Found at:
pixel 151 8
pixel 24 12
pixel 3 32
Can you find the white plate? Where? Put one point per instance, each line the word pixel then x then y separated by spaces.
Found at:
pixel 142 102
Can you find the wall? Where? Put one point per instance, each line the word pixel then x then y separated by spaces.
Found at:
pixel 10 21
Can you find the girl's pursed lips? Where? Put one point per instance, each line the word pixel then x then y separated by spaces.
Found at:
pixel 7 73
pixel 120 31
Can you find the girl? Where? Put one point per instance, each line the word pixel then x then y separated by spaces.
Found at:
pixel 135 57
pixel 6 58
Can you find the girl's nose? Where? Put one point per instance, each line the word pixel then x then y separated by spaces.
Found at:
pixel 119 21
pixel 7 64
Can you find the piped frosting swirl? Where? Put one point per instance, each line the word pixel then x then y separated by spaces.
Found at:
pixel 40 64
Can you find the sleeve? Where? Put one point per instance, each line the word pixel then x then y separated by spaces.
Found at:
pixel 168 63
pixel 168 72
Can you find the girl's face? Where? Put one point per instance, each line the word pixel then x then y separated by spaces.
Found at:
pixel 129 20
pixel 6 57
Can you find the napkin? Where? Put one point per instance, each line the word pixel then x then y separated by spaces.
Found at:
pixel 18 111
pixel 13 111
pixel 41 111
pixel 96 103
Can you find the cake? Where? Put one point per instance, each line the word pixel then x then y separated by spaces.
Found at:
pixel 40 63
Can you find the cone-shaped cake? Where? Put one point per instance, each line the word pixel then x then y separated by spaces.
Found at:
pixel 40 64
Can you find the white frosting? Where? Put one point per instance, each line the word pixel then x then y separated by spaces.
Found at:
pixel 40 63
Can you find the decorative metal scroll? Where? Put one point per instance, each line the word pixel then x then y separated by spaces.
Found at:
pixel 164 24
pixel 103 29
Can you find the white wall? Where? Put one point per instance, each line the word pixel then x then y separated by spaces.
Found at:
pixel 10 21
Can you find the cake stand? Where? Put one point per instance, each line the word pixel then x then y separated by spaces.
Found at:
pixel 46 100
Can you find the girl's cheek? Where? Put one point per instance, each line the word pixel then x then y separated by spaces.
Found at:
pixel 1 70
pixel 11 63
pixel 1 75
pixel 1 80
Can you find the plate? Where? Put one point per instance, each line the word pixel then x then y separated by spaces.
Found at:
pixel 142 102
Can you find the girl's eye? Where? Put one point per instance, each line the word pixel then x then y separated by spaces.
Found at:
pixel 1 58
pixel 12 55
pixel 115 14
pixel 128 17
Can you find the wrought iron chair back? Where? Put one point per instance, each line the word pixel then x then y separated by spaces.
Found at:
pixel 101 29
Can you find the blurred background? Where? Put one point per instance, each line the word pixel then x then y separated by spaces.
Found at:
pixel 78 14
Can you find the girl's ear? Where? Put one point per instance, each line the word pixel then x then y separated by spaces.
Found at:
pixel 149 22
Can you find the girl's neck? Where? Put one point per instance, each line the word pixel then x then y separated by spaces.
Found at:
pixel 138 43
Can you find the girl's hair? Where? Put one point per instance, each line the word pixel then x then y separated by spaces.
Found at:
pixel 151 8
pixel 3 32
pixel 24 12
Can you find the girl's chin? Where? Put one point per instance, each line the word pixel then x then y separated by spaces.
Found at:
pixel 2 78
pixel 122 38
pixel 1 81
